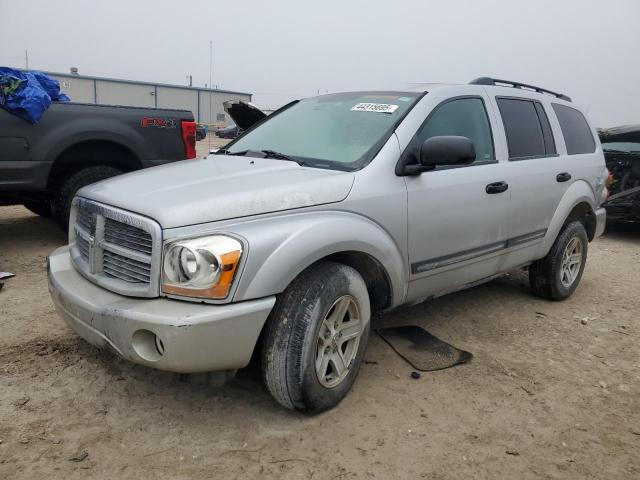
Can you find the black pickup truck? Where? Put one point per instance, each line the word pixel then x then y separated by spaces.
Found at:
pixel 42 166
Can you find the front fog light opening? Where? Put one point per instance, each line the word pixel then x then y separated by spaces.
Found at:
pixel 147 345
pixel 159 346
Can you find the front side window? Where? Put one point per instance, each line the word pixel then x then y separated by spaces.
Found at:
pixel 466 117
pixel 575 129
pixel 527 128
pixel 340 131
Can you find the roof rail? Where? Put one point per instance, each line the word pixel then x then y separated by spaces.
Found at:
pixel 509 83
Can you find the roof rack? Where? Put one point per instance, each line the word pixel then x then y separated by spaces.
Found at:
pixel 509 83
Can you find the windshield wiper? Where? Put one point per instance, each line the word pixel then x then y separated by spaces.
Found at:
pixel 266 153
pixel 240 153
pixel 281 156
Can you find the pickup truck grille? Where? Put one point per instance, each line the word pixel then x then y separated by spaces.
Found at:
pixel 115 249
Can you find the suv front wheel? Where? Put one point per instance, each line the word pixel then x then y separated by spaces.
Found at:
pixel 316 337
pixel 557 275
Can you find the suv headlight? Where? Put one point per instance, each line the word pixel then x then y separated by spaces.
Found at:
pixel 200 267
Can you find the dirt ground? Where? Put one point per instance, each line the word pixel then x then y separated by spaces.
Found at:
pixel 552 392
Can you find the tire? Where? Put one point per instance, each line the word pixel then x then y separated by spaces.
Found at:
pixel 292 348
pixel 548 276
pixel 39 208
pixel 68 188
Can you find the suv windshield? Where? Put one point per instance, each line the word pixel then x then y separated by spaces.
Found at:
pixel 341 131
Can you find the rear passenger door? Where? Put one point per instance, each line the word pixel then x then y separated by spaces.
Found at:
pixel 534 172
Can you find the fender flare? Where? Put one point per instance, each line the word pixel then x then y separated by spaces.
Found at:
pixel 110 137
pixel 274 260
pixel 577 193
pixel 67 134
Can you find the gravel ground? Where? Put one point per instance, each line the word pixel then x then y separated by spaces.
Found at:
pixel 552 392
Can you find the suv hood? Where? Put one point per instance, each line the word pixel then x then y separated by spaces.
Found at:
pixel 220 187
pixel 244 114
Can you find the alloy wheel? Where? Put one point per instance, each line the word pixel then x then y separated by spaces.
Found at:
pixel 338 340
pixel 571 262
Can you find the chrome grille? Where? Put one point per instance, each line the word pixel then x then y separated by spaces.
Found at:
pixel 127 269
pixel 83 247
pixel 116 249
pixel 127 236
pixel 86 219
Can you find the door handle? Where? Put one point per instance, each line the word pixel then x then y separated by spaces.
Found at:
pixel 563 177
pixel 497 187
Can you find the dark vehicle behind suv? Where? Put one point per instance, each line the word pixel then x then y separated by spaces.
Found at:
pixel 42 166
pixel 244 114
pixel 232 131
pixel 621 146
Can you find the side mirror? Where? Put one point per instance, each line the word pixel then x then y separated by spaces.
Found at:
pixel 446 150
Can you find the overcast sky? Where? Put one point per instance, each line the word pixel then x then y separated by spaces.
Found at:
pixel 280 50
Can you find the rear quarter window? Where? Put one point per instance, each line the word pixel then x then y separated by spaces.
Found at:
pixel 575 129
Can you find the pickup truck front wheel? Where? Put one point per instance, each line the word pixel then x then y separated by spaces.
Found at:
pixel 316 338
pixel 68 188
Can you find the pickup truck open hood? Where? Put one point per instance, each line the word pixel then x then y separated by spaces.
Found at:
pixel 220 187
pixel 244 114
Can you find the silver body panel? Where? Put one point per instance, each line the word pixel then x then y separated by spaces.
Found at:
pixel 220 187
pixel 434 233
pixel 196 338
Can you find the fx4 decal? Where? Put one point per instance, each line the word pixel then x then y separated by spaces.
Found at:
pixel 158 122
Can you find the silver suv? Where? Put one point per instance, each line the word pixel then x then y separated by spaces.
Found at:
pixel 287 241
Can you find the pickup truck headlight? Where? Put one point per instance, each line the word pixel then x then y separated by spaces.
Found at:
pixel 200 267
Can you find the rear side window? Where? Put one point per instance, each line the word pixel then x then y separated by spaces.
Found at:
pixel 575 129
pixel 527 128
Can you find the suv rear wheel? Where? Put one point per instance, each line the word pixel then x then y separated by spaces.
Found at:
pixel 68 188
pixel 557 275
pixel 316 337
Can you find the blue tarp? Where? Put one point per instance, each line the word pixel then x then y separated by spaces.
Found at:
pixel 28 94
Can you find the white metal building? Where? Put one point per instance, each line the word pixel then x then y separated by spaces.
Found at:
pixel 110 91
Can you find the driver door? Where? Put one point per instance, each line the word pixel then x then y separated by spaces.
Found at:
pixel 456 224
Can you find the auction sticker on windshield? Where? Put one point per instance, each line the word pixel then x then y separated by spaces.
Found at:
pixel 374 107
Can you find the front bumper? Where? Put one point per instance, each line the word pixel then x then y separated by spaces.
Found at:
pixel 161 333
pixel 601 221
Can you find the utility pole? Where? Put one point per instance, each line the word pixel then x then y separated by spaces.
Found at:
pixel 26 59
pixel 210 79
pixel 210 63
pixel 210 90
